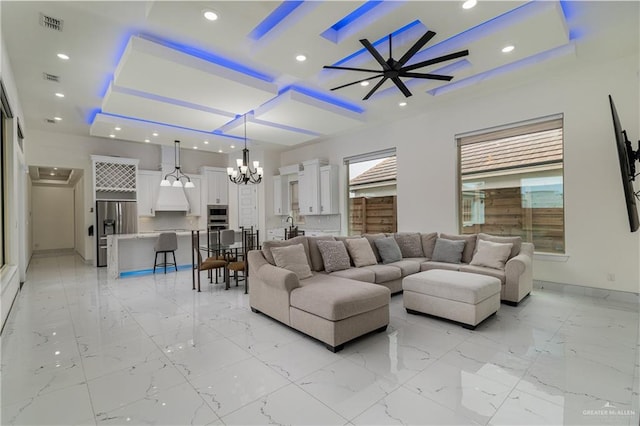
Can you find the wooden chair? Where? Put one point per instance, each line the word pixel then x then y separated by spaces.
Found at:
pixel 209 264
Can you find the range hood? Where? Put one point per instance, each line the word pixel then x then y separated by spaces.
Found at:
pixel 170 198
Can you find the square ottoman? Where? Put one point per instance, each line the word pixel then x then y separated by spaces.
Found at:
pixel 458 296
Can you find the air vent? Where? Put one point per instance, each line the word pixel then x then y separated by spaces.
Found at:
pixel 51 77
pixel 50 121
pixel 51 22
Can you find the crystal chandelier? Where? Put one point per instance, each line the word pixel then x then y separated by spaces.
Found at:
pixel 177 174
pixel 244 174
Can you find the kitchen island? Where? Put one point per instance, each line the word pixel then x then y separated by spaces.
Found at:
pixel 132 254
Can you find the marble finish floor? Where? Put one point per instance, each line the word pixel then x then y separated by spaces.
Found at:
pixel 81 349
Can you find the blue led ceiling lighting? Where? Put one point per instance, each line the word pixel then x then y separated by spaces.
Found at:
pixel 337 31
pixel 274 18
pixel 251 119
pixel 209 57
pixel 413 27
pixel 324 97
pixel 507 68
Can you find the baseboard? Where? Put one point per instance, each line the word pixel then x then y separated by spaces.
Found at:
pixel 597 293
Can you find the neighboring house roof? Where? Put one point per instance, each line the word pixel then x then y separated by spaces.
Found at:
pixel 382 172
pixel 514 152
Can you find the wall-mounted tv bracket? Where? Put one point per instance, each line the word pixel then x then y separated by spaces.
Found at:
pixel 633 157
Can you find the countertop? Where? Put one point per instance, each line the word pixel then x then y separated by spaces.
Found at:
pixel 151 234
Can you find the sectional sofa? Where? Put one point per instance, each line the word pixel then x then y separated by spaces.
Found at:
pixel 338 288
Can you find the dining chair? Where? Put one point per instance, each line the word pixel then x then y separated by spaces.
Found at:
pixel 211 264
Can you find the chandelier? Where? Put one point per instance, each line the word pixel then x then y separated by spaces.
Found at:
pixel 177 174
pixel 244 174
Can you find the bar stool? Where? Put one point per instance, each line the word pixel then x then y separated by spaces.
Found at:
pixel 167 242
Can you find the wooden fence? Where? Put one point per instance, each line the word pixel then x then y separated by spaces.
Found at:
pixel 372 215
pixel 504 215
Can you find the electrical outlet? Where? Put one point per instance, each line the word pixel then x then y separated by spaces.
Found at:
pixel 611 276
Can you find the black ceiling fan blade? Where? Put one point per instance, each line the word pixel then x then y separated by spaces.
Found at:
pixel 372 91
pixel 404 89
pixel 417 46
pixel 356 82
pixel 426 76
pixel 378 57
pixel 436 60
pixel 350 69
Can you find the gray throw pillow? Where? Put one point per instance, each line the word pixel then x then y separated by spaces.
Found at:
pixel 469 247
pixel 410 244
pixel 448 251
pixel 292 258
pixel 490 254
pixel 388 249
pixel 334 255
pixel 371 238
pixel 314 252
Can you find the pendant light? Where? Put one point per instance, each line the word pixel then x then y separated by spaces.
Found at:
pixel 177 174
pixel 244 174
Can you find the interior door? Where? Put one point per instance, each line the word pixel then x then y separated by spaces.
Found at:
pixel 248 205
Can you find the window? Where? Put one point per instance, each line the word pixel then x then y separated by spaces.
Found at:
pixel 511 183
pixel 295 203
pixel 372 192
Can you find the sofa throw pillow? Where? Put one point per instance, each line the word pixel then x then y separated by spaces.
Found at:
pixel 334 255
pixel 267 246
pixel 516 241
pixel 371 238
pixel 409 243
pixel 292 258
pixel 492 255
pixel 360 251
pixel 469 247
pixel 448 251
pixel 314 252
pixel 388 249
pixel 428 243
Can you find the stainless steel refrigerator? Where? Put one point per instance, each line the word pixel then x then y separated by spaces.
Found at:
pixel 114 217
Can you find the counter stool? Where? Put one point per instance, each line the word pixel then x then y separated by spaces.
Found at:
pixel 167 242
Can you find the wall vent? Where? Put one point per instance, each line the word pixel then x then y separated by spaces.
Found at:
pixel 51 23
pixel 51 77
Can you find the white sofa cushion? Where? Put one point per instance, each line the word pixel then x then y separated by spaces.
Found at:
pixel 361 252
pixel 490 254
pixel 292 258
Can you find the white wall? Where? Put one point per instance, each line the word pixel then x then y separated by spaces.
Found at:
pixel 598 240
pixel 53 218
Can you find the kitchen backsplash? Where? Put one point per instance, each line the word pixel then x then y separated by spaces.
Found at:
pixel 330 222
pixel 167 220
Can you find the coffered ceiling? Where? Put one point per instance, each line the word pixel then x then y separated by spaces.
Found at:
pixel 159 71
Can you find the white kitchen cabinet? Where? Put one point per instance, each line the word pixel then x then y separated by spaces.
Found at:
pixel 329 189
pixel 194 196
pixel 281 195
pixel 309 187
pixel 147 188
pixel 217 183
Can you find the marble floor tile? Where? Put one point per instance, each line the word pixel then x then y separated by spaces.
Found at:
pixel 141 380
pixel 289 405
pixel 179 405
pixel 237 385
pixel 465 392
pixel 149 350
pixel 403 407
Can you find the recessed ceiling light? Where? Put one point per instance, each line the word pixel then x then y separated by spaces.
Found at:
pixel 206 142
pixel 507 49
pixel 210 15
pixel 55 168
pixel 52 174
pixel 195 147
pixel 154 134
pixel 402 104
pixel 147 140
pixel 117 129
pixel 60 95
pixel 57 118
pixel 63 56
pixel 301 58
pixel 112 136
pixel 232 146
pixel 364 83
pixel 469 4
pixel 219 150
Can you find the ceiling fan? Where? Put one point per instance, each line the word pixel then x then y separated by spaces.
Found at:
pixel 393 70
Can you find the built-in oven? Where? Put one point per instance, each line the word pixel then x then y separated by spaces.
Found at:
pixel 218 217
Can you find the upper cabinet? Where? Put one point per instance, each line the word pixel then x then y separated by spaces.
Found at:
pixel 309 187
pixel 217 183
pixel 329 198
pixel 280 195
pixel 148 185
pixel 194 196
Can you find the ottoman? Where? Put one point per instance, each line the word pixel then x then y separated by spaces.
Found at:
pixel 458 296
